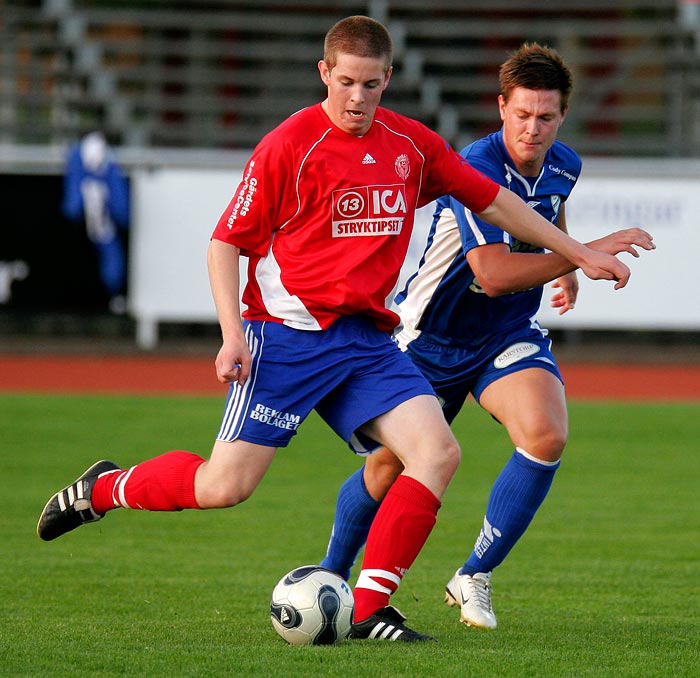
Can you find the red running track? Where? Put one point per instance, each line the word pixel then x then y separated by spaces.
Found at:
pixel 188 375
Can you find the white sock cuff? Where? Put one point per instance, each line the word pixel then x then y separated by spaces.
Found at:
pixel 535 460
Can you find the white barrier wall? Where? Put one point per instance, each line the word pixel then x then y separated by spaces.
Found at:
pixel 175 210
pixel 663 290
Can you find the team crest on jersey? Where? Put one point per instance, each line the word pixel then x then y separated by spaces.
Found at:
pixel 369 210
pixel 402 166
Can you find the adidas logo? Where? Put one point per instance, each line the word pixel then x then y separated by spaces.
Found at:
pixel 368 160
pixel 386 631
pixel 284 615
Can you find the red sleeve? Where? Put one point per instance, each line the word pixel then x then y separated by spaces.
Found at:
pixel 448 173
pixel 255 209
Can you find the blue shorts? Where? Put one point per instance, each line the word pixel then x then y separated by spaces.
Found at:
pixel 457 371
pixel 350 373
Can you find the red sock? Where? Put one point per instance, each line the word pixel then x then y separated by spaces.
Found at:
pixel 402 525
pixel 165 483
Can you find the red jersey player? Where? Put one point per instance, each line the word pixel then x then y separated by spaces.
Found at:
pixel 324 214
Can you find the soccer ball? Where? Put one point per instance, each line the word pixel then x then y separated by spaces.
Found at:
pixel 312 606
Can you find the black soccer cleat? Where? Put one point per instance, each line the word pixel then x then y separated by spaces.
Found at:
pixel 71 507
pixel 387 624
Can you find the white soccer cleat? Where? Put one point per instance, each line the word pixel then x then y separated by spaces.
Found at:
pixel 472 594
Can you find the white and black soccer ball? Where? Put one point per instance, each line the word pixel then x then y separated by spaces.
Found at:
pixel 312 606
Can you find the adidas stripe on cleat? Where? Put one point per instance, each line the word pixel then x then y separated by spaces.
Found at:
pixel 386 624
pixel 71 507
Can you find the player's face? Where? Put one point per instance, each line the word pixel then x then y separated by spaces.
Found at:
pixel 355 86
pixel 531 120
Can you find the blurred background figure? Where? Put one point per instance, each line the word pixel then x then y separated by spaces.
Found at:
pixel 96 194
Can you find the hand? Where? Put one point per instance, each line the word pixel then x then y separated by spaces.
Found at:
pixel 233 361
pixel 623 241
pixel 602 266
pixel 565 299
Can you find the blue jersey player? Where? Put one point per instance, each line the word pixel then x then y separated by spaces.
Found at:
pixel 468 323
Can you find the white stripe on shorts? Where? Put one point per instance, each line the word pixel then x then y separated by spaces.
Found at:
pixel 239 401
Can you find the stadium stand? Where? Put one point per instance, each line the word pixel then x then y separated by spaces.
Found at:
pixel 219 74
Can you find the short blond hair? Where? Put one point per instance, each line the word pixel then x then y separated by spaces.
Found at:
pixel 360 36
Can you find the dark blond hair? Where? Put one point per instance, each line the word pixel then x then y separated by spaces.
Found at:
pixel 359 36
pixel 535 66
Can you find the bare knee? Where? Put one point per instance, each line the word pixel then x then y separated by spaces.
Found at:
pixel 381 470
pixel 221 496
pixel 453 456
pixel 437 466
pixel 216 490
pixel 231 474
pixel 546 442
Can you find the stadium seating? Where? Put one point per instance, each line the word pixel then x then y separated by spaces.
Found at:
pixel 219 74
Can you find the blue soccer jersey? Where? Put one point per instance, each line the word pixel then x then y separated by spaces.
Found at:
pixel 443 297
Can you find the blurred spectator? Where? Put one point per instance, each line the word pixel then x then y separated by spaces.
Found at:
pixel 96 194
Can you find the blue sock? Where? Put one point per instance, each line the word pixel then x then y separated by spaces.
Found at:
pixel 515 497
pixel 354 512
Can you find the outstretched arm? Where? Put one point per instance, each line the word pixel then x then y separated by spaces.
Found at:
pixel 501 271
pixel 510 213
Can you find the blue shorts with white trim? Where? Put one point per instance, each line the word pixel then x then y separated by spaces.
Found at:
pixel 456 371
pixel 350 373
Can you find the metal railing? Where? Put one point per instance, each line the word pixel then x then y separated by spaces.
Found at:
pixel 171 75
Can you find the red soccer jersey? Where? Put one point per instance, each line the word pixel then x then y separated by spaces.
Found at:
pixel 325 217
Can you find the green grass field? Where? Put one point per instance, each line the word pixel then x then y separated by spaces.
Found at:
pixel 605 583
